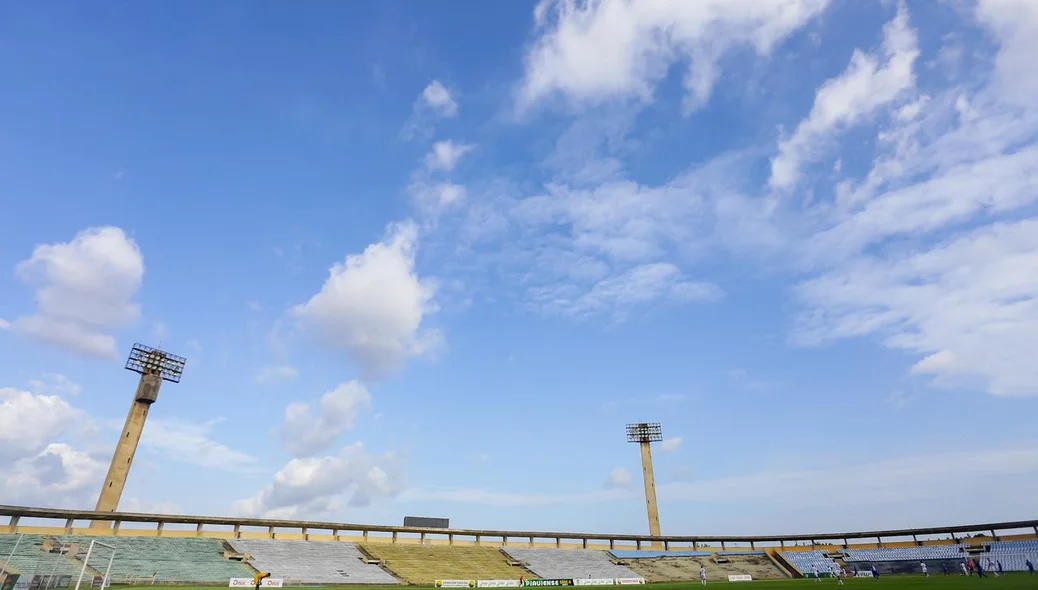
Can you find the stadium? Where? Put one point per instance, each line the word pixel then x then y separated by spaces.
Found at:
pixel 50 548
pixel 428 261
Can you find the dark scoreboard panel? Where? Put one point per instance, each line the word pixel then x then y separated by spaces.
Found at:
pixel 426 522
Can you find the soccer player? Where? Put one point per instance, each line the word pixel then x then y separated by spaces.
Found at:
pixel 965 570
pixel 922 565
pixel 838 574
pixel 875 573
pixel 814 570
pixel 944 568
pixel 998 572
pixel 980 571
pixel 1030 566
pixel 702 575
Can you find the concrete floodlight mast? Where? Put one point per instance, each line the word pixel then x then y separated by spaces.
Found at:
pixel 154 367
pixel 646 433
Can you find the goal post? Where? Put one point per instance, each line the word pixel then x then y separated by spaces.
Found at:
pixel 106 564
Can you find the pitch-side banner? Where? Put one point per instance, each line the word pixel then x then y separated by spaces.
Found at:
pixel 455 583
pixel 629 581
pixel 864 574
pixel 542 583
pixel 250 583
pixel 497 584
pixel 594 581
pixel 740 578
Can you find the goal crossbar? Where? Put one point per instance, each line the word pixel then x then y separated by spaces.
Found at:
pixel 86 560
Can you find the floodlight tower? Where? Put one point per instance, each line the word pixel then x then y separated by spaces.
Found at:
pixel 154 367
pixel 646 433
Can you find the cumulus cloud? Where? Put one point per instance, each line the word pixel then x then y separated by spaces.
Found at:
pixel 434 197
pixel 84 291
pixel 590 51
pixel 276 375
pixel 619 478
pixel 307 431
pixel 315 486
pixel 29 422
pixel 373 305
pixel 865 86
pixel 39 464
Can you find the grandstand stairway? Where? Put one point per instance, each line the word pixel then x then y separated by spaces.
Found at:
pixel 424 564
pixel 312 562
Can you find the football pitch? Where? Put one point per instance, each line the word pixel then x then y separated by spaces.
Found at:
pixel 1012 581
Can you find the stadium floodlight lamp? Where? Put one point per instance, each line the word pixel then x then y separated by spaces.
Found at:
pixel 644 432
pixel 152 361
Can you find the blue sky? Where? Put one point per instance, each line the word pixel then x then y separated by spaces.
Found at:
pixel 429 258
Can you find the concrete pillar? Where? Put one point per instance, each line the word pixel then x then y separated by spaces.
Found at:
pixel 915 540
pixel 666 545
pixel 450 539
pixel 335 534
pixel 879 542
pixel 126 448
pixel 638 544
pixel 237 531
pixel 161 526
pixel 558 542
pixel 270 532
pixel 504 541
pixel 994 535
pixel 477 540
pixel 115 529
pixel 531 541
pixel 198 530
pixel 612 544
pixel 584 542
pixel 365 536
pixel 650 490
pixel 422 539
pixel 395 534
pixel 68 526
pixel 782 545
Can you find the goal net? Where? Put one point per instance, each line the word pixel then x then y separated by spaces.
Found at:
pixel 98 559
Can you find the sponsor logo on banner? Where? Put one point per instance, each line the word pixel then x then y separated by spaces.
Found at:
pixel 629 581
pixel 251 583
pixel 22 583
pixel 540 583
pixel 594 581
pixel 497 584
pixel 740 578
pixel 864 574
pixel 455 583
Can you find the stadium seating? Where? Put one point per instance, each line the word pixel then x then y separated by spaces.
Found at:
pixel 312 562
pixel 642 554
pixel 677 569
pixel 167 559
pixel 569 563
pixel 807 561
pixel 1012 554
pixel 31 560
pixel 922 553
pixel 423 564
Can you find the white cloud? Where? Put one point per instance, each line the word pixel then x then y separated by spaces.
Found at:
pixel 276 375
pixel 307 432
pixel 865 86
pixel 189 442
pixel 445 155
pixel 29 422
pixel 591 51
pixel 372 306
pixel 969 306
pixel 618 294
pixel 433 198
pixel 671 444
pixel 56 476
pixel 4 324
pixel 435 102
pixel 84 290
pixel 439 99
pixel 1015 24
pixel 619 478
pixel 55 384
pixel 316 486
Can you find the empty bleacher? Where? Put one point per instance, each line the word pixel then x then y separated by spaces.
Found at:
pixel 569 563
pixel 676 566
pixel 1012 554
pixel 31 559
pixel 167 559
pixel 807 561
pixel 423 564
pixel 312 562
pixel 921 553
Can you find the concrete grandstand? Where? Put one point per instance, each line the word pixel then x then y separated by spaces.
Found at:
pixel 171 549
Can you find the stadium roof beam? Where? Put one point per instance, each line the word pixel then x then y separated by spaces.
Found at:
pixel 18 513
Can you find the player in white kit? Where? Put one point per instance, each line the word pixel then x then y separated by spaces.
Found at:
pixel 922 565
pixel 702 575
